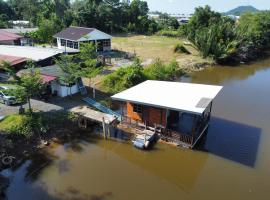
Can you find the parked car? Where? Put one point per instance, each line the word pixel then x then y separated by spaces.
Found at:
pixel 5 97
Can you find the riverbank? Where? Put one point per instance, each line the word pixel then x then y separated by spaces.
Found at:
pixel 21 135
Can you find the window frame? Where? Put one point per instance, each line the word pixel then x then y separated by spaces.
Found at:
pixel 137 108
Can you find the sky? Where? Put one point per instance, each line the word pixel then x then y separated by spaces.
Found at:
pixel 187 6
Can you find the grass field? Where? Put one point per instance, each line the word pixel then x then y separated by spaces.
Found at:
pixel 153 47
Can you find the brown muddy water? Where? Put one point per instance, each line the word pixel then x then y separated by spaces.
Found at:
pixel 232 162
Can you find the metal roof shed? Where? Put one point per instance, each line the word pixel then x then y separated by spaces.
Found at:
pixel 188 97
pixel 33 53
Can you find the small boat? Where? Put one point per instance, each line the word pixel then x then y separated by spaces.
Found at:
pixel 144 140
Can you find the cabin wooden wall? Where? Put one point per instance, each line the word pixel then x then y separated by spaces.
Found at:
pixel 133 115
pixel 150 115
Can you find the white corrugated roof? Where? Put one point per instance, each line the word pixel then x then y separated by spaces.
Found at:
pixel 171 95
pixel 33 53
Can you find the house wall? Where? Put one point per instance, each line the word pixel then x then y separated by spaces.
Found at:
pixel 107 48
pixel 103 48
pixel 26 42
pixel 10 42
pixel 150 115
pixel 62 90
pixel 59 43
pixel 65 91
pixel 55 87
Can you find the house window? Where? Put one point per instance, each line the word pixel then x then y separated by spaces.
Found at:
pixel 63 42
pixel 106 43
pixel 76 46
pixel 137 108
pixel 70 44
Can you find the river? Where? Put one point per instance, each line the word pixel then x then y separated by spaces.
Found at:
pixel 231 162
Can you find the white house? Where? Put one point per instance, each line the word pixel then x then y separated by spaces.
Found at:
pixel 72 37
pixel 51 78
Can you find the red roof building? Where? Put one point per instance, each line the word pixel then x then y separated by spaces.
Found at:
pixel 9 38
pixel 13 60
pixel 47 78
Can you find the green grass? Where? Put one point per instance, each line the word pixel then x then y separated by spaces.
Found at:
pixel 13 86
pixel 12 120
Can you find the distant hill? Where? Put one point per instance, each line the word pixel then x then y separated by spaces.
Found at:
pixel 241 9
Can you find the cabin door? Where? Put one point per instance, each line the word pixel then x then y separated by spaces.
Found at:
pixel 156 116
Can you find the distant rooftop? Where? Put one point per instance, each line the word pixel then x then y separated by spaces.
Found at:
pixel 13 60
pixel 188 97
pixel 48 71
pixel 19 22
pixel 19 30
pixel 74 33
pixel 81 34
pixel 7 36
pixel 33 53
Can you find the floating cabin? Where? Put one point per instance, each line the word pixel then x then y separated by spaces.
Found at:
pixel 179 111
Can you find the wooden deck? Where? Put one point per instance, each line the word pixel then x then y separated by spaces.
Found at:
pixel 167 135
pixel 93 115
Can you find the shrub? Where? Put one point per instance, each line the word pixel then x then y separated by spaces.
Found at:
pixel 160 71
pixel 180 48
pixel 127 77
pixel 124 78
pixel 29 125
pixel 168 33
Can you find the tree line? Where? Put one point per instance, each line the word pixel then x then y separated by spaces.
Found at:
pixel 111 16
pixel 107 15
pixel 226 40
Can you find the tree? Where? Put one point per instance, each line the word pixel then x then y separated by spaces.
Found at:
pixel 47 28
pixel 87 51
pixel 212 34
pixel 88 60
pixel 31 82
pixel 3 21
pixel 253 34
pixel 70 70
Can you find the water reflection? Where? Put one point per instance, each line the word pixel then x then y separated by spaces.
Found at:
pixel 231 140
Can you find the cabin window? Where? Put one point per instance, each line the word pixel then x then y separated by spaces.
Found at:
pixel 137 108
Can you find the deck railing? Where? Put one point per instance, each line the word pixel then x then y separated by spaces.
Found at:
pixel 166 134
pixel 176 137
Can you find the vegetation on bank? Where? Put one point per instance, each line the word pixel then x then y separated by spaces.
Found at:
pixel 180 48
pixel 30 126
pixel 225 40
pixel 126 77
